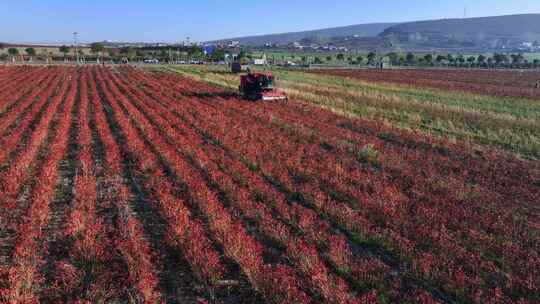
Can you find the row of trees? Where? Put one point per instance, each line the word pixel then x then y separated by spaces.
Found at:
pixel 99 52
pixel 30 52
pixel 95 48
pixel 14 52
pixel 172 54
pixel 496 60
pixel 163 54
pixel 411 59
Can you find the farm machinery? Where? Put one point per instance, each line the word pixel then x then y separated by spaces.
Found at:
pixel 260 86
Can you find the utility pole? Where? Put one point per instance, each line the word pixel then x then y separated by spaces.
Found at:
pixel 76 46
pixel 188 49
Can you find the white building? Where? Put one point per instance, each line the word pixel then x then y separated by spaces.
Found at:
pixel 261 61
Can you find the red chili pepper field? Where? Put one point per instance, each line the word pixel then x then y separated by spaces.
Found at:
pixel 509 83
pixel 124 185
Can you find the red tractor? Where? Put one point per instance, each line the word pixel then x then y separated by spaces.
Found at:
pixel 260 86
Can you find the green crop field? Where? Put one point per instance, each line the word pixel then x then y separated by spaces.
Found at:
pixel 532 56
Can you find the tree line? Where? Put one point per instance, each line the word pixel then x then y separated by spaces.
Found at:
pixel 99 53
pixel 497 60
pixel 176 53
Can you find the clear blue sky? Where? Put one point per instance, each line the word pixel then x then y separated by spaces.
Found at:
pixel 173 21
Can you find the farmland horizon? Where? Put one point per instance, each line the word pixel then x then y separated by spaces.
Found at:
pixel 120 22
pixel 494 34
pixel 58 42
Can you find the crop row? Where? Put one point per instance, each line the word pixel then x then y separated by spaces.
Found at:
pixel 395 215
pixel 238 193
pixel 275 232
pixel 25 114
pixel 282 220
pixel 236 241
pixel 24 273
pixel 497 83
pixel 286 202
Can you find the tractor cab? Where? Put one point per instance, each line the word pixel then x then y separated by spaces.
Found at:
pixel 260 86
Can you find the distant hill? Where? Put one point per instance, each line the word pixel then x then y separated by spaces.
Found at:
pixel 485 32
pixel 478 34
pixel 315 36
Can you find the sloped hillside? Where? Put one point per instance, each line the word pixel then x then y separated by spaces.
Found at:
pixel 485 32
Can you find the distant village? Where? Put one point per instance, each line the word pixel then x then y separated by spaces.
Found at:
pixel 510 54
pixel 232 46
pixel 289 46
